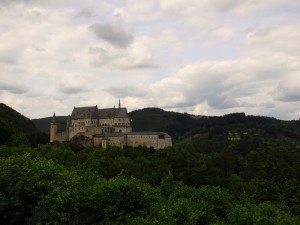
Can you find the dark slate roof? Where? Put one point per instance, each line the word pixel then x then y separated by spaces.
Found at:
pixel 112 113
pixel 89 112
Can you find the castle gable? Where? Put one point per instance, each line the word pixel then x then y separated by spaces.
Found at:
pixel 85 112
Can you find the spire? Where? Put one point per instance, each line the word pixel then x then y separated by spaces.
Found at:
pixel 119 103
pixel 53 118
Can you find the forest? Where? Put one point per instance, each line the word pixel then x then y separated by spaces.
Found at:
pixel 228 170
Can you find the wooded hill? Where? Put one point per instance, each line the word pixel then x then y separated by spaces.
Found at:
pixel 43 124
pixel 183 126
pixel 16 128
pixel 228 170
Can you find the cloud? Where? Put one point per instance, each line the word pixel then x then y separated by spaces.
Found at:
pixel 72 84
pixel 288 89
pixel 268 39
pixel 137 56
pixel 124 90
pixel 87 12
pixel 246 84
pixel 14 88
pixel 207 57
pixel 113 33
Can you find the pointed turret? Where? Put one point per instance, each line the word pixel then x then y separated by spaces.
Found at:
pixel 53 118
pixel 119 103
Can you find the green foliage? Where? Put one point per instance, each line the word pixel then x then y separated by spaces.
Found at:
pixel 57 185
pixel 274 160
pixel 206 178
pixel 154 119
pixel 16 129
pixel 263 214
pixel 18 139
pixel 7 151
pixel 34 191
pixel 121 199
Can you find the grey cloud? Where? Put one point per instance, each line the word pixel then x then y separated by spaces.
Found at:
pixel 222 101
pixel 291 96
pixel 9 58
pixel 39 49
pixel 32 1
pixel 225 5
pixel 7 2
pixel 113 33
pixel 288 90
pixel 15 89
pixel 139 65
pixel 87 13
pixel 226 85
pixel 269 105
pixel 71 90
pixel 186 104
pixel 248 105
pixel 101 56
pixel 125 90
pixel 121 61
pixel 68 86
pixel 96 50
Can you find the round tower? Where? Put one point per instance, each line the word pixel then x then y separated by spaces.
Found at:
pixel 53 129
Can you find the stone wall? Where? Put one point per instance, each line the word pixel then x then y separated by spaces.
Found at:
pixel 155 140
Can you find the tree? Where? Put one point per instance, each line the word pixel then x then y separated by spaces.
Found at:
pixel 35 191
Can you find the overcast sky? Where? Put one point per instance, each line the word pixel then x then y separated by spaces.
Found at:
pixel 205 57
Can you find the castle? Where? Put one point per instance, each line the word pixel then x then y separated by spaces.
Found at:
pixel 106 127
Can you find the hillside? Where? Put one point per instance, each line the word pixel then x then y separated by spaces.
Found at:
pixel 233 169
pixel 43 124
pixel 148 119
pixel 184 127
pixel 155 119
pixel 16 128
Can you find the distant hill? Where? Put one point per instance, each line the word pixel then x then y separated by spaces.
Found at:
pixel 14 127
pixel 155 119
pixel 184 127
pixel 43 124
pixel 148 119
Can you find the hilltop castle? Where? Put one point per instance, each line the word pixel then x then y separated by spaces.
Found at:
pixel 106 127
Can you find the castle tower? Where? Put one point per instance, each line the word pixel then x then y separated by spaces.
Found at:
pixel 53 129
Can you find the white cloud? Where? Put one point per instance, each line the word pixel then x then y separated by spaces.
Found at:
pixel 203 57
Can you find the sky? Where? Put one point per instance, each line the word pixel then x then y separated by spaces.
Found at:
pixel 208 57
